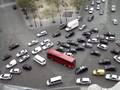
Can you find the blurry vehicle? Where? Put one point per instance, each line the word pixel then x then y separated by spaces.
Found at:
pixel 104 62
pixel 95 53
pixel 87 45
pixel 80 48
pixel 102 46
pixel 45 42
pixel 56 34
pixel 110 68
pixel 39 59
pixel 117 58
pixel 24 58
pixel 115 51
pixel 13 46
pixel 83 81
pixel 42 33
pixel 6 76
pixel 81 69
pixel 65 45
pixel 90 18
pixel 94 30
pixel 6 56
pixel 70 34
pixel 91 10
pixel 72 42
pixel 84 26
pixel 48 45
pixel 21 53
pixel 36 50
pixel 99 72
pixel 92 3
pixel 98 7
pixel 27 67
pixel 118 43
pixel 113 8
pixel 15 71
pixel 81 40
pixel 62 26
pixel 87 8
pixel 93 40
pixel 33 42
pixel 11 64
pixel 115 21
pixel 112 77
pixel 98 1
pixel 101 12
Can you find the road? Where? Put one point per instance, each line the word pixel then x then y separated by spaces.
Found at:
pixel 13 29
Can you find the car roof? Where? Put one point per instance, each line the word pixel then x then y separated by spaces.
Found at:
pixel 56 78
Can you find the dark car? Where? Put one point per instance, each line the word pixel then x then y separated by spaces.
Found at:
pixel 65 45
pixel 13 46
pixel 62 26
pixel 110 68
pixel 104 62
pixel 115 51
pixel 5 57
pixel 60 49
pixel 94 30
pixel 80 48
pixel 81 40
pixel 81 69
pixel 57 34
pixel 71 50
pixel 95 53
pixel 118 43
pixel 90 18
pixel 103 41
pixel 27 67
pixel 71 42
pixel 108 34
pixel 86 34
pixel 70 34
pixel 14 7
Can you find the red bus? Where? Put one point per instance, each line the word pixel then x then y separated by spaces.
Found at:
pixel 61 58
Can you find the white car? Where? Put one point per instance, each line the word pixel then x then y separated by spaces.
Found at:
pixel 45 41
pixel 103 1
pixel 102 46
pixel 33 42
pixel 112 77
pixel 6 76
pixel 24 58
pixel 98 1
pixel 42 33
pixel 117 58
pixel 15 71
pixel 98 7
pixel 21 53
pixel 83 81
pixel 11 64
pixel 91 10
pixel 82 27
pixel 115 21
pixel 93 40
pixel 37 58
pixel 36 50
pixel 113 8
pixel 48 45
pixel 92 2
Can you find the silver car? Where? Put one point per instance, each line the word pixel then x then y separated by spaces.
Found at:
pixel 115 21
pixel 11 64
pixel 84 26
pixel 21 53
pixel 48 45
pixel 15 71
pixel 83 81
pixel 91 10
pixel 6 76
pixel 45 41
pixel 102 46
pixel 117 58
pixel 33 42
pixel 98 7
pixel 113 8
pixel 36 50
pixel 42 33
pixel 24 58
pixel 112 77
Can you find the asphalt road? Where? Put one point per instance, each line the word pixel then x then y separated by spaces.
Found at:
pixel 13 29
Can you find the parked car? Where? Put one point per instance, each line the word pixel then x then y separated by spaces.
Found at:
pixel 48 45
pixel 72 42
pixel 103 1
pixel 93 40
pixel 104 41
pixel 61 49
pixel 108 34
pixel 65 45
pixel 33 42
pixel 37 58
pixel 98 1
pixel 80 48
pixel 94 30
pixel 21 53
pixel 81 40
pixel 117 43
pixel 115 51
pixel 95 53
pixel 110 38
pixel 71 50
pixel 81 69
pixel 102 46
pixel 6 76
pixel 87 45
pixel 98 7
pixel 45 42
pixel 113 8
pixel 101 12
pixel 13 46
pixel 87 7
pixel 104 62
pixel 62 26
pixel 15 71
pixel 115 21
pixel 84 26
pixel 86 34
pixel 70 34
pixel 92 2
pixel 91 10
pixel 83 81
pixel 54 81
pixel 42 33
pixel 11 64
pixel 6 56
pixel 27 67
pixel 69 54
pixel 56 34
pixel 117 58
pixel 24 58
pixel 99 72
pixel 36 50
pixel 90 18
pixel 110 68
pixel 112 77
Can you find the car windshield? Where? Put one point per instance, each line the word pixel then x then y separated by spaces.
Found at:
pixel 85 79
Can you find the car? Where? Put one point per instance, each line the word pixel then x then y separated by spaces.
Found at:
pixel 87 7
pixel 115 51
pixel 100 36
pixel 40 60
pixel 68 54
pixel 117 58
pixel 103 1
pixel 95 53
pixel 6 76
pixel 72 50
pixel 56 34
pixel 27 67
pixel 36 50
pixel 102 46
pixel 21 53
pixel 94 30
pixel 98 1
pixel 86 34
pixel 84 26
pixel 54 80
pixel 90 18
pixel 81 40
pixel 93 40
pixel 108 34
pixel 65 45
pixel 48 45
pixel 70 34
pixel 103 41
pixel 98 7
pixel 61 49
pixel 33 42
pixel 62 26
pixel 104 62
pixel 13 46
pixel 110 38
pixel 101 12
pixel 99 72
pixel 113 8
pixel 87 45
pixel 15 71
pixel 6 56
pixel 117 43
pixel 92 2
pixel 72 42
pixel 83 81
pixel 24 58
pixel 112 77
pixel 42 33
pixel 11 64
pixel 45 42
pixel 110 68
pixel 80 48
pixel 81 69
pixel 115 21
pixel 80 18
pixel 91 10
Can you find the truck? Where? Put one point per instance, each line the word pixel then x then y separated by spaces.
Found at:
pixel 72 25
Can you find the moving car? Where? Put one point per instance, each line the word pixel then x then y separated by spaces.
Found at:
pixel 117 58
pixel 24 58
pixel 98 7
pixel 83 81
pixel 81 69
pixel 37 58
pixel 113 8
pixel 115 21
pixel 13 46
pixel 90 18
pixel 5 57
pixel 112 77
pixel 33 42
pixel 91 10
pixel 15 71
pixel 99 72
pixel 104 62
pixel 21 53
pixel 42 33
pixel 11 64
pixel 110 68
pixel 54 81
pixel 95 53
pixel 84 26
pixel 6 76
pixel 56 34
pixel 27 67
pixel 70 34
pixel 102 46
pixel 36 50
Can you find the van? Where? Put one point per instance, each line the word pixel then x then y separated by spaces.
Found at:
pixel 54 80
pixel 39 59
